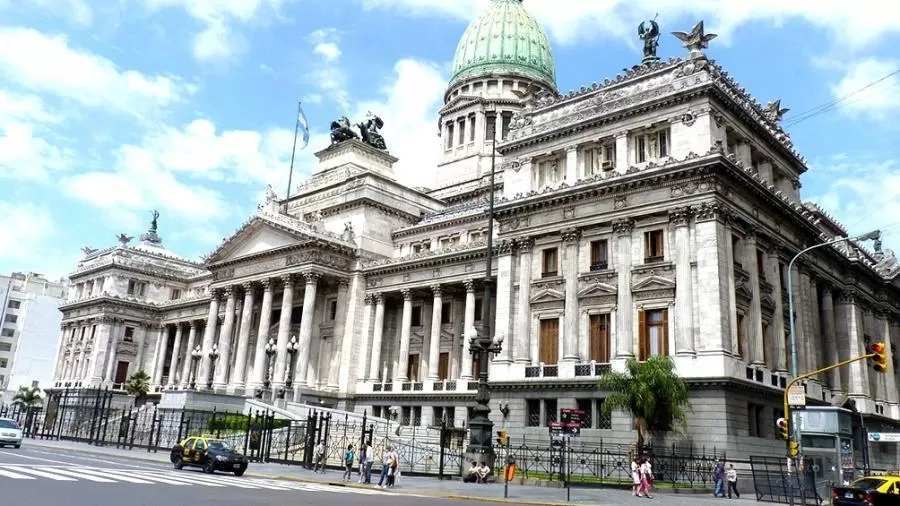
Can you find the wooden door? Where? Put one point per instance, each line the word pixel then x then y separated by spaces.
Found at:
pixel 412 368
pixel 599 338
pixel 121 372
pixel 549 344
pixel 444 366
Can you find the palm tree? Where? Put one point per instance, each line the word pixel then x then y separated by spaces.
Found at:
pixel 652 393
pixel 138 385
pixel 30 399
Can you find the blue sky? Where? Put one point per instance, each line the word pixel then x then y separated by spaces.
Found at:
pixel 111 108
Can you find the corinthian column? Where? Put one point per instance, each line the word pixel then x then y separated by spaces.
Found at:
pixel 570 269
pixel 159 356
pixel 284 330
pixel 306 326
pixel 240 358
pixel 434 349
pixel 366 338
pixel 377 337
pixel 684 289
pixel 625 312
pixel 468 323
pixel 757 342
pixel 221 373
pixel 830 337
pixel 403 372
pixel 186 367
pixel 176 350
pixel 522 337
pixel 209 337
pixel 262 335
pixel 773 270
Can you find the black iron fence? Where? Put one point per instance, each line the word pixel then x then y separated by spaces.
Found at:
pixel 98 417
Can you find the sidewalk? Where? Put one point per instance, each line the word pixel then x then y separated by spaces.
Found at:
pixel 426 486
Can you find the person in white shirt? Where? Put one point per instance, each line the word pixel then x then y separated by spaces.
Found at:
pixel 731 478
pixel 320 458
pixel 646 471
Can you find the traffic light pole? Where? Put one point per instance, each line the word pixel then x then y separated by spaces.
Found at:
pixel 787 413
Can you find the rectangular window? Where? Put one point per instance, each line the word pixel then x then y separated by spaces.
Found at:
pixel 755 420
pixel 598 159
pixel 446 313
pixel 549 343
pixel 761 264
pixel 505 121
pixel 490 126
pixel 10 318
pixel 412 368
pixel 129 334
pixel 767 338
pixel 3 363
pixel 449 135
pixel 549 173
pixel 14 304
pixel 8 333
pixel 421 247
pixel 136 288
pixel 462 132
pixel 332 310
pixel 587 406
pixel 5 346
pixel 549 261
pixel 653 246
pixel 653 326
pixel 472 128
pixel 599 328
pixel 449 242
pixel 599 255
pixel 416 320
pixel 477 236
pixel 532 413
pixel 551 411
pixel 478 310
pixel 651 145
pixel 782 273
pixel 176 294
pixel 444 366
pixel 741 334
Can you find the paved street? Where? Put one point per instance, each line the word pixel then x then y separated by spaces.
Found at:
pixel 58 469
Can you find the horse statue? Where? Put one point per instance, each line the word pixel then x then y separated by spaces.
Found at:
pixel 369 130
pixel 341 130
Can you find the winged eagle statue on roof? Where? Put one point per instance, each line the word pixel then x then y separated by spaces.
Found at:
pixel 648 31
pixel 695 41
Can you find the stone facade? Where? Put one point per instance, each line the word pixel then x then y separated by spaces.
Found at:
pixel 654 213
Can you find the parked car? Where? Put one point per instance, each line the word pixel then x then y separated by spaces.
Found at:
pixel 10 433
pixel 210 454
pixel 881 490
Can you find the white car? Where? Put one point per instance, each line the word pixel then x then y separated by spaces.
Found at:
pixel 10 433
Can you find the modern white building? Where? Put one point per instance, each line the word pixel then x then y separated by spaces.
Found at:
pixel 653 212
pixel 29 330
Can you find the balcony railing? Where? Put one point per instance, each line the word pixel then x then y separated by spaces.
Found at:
pixel 591 369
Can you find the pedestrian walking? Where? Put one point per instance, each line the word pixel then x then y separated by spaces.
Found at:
pixel 370 460
pixel 320 458
pixel 731 477
pixel 646 471
pixel 719 476
pixel 349 458
pixel 383 480
pixel 635 477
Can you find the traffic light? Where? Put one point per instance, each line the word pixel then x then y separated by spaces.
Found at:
pixel 502 437
pixel 879 360
pixel 793 448
pixel 783 428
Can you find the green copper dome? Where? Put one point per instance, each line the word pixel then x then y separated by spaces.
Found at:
pixel 505 39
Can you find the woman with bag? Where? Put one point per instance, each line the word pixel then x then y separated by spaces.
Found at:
pixel 349 458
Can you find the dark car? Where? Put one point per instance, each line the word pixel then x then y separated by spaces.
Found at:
pixel 869 491
pixel 210 454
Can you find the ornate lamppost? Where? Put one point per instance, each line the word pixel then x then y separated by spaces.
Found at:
pixel 213 357
pixel 196 355
pixel 482 345
pixel 293 347
pixel 271 349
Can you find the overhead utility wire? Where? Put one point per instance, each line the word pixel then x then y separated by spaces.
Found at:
pixel 815 111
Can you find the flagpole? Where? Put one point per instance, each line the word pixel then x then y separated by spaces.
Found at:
pixel 294 150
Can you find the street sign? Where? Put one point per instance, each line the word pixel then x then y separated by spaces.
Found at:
pixel 797 396
pixel 572 429
pixel 571 420
pixel 556 429
pixel 884 437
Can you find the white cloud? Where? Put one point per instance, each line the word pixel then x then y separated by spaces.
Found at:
pixel 409 108
pixel 24 152
pixel 77 11
pixel 218 40
pixel 880 100
pixel 24 228
pixel 327 74
pixel 328 50
pixel 43 63
pixel 855 24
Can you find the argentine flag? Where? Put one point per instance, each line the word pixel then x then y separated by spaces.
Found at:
pixel 302 125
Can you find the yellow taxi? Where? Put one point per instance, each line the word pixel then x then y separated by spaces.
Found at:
pixel 210 454
pixel 869 491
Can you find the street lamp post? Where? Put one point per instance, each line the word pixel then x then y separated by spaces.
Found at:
pixel 213 357
pixel 196 355
pixel 873 235
pixel 482 345
pixel 271 349
pixel 292 348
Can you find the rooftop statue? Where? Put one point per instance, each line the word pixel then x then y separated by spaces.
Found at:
pixel 529 97
pixel 342 130
pixel 124 239
pixel 648 31
pixel 153 221
pixel 774 111
pixel 696 41
pixel 88 250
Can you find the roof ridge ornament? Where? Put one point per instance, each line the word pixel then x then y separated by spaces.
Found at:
pixel 151 236
pixel 695 41
pixel 648 31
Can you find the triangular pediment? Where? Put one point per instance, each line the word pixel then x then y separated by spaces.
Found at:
pixel 257 236
pixel 742 290
pixel 767 301
pixel 653 283
pixel 597 290
pixel 547 295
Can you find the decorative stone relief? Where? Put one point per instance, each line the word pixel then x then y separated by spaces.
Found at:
pixel 571 235
pixel 620 202
pixel 623 226
pixel 688 118
pixel 569 213
pixel 680 216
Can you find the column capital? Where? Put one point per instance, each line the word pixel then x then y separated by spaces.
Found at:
pixel 750 234
pixel 882 314
pixel 229 291
pixel 623 226
pixel 436 290
pixel 709 211
pixel 194 324
pixel 287 279
pixel 214 293
pixel 470 285
pixel 407 294
pixel 571 235
pixel 680 216
pixel 524 244
pixel 247 286
pixel 311 277
pixel 343 283
pixel 267 284
pixel 506 246
pixel 378 297
pixel 368 299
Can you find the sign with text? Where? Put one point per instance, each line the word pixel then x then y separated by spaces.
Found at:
pixel 797 396
pixel 884 437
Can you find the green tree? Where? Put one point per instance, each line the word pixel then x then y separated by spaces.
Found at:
pixel 29 399
pixel 138 385
pixel 652 393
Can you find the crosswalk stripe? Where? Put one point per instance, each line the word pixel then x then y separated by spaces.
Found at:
pixel 10 474
pixel 153 478
pixel 86 472
pixel 180 478
pixel 80 476
pixel 42 474
pixel 196 477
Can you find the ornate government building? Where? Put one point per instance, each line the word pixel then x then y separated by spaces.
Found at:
pixel 652 213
